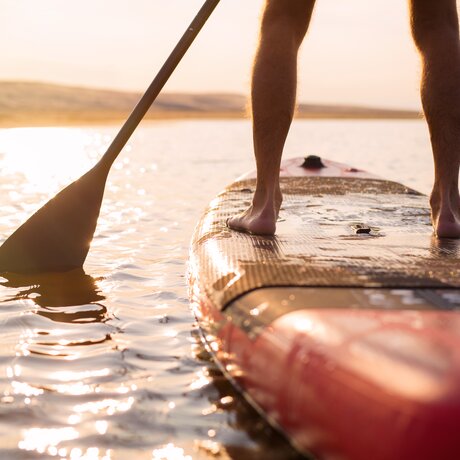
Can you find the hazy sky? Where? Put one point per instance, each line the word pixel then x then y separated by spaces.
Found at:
pixel 357 51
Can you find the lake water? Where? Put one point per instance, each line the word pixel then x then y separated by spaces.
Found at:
pixel 107 364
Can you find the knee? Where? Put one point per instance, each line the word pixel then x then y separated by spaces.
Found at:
pixel 434 25
pixel 287 17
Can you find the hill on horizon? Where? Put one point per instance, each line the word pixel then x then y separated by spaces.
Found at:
pixel 42 103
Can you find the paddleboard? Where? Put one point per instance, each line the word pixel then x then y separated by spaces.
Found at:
pixel 343 329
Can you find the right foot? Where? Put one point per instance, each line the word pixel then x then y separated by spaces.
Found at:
pixel 447 227
pixel 445 216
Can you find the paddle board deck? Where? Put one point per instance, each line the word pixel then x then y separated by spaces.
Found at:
pixel 344 328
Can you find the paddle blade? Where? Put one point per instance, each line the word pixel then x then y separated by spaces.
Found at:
pixel 57 237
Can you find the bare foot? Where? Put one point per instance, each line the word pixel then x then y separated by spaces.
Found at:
pixel 253 221
pixel 260 218
pixel 447 225
pixel 445 215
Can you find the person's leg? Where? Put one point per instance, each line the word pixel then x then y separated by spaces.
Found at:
pixel 436 34
pixel 274 81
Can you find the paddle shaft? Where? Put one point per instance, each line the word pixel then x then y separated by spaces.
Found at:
pixel 159 81
pixel 58 236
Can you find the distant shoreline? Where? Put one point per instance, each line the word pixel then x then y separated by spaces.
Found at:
pixel 91 120
pixel 42 104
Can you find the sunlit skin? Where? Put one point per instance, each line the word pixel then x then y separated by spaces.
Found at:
pixel 284 24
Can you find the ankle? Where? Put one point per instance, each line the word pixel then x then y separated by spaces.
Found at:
pixel 267 197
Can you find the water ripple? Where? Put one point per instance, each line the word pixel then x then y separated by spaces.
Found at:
pixel 107 363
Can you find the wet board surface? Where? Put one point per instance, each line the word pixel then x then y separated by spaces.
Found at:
pixel 348 230
pixel 343 330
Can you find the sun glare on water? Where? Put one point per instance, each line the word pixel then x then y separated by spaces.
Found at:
pixel 49 158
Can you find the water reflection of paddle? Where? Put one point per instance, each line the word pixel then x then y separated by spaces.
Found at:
pixel 58 235
pixel 69 297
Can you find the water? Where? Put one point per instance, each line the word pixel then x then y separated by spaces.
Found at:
pixel 106 363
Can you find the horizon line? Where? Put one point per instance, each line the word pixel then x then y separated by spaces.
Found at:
pixel 82 86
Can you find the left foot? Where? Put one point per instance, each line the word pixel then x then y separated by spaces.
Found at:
pixel 447 226
pixel 258 222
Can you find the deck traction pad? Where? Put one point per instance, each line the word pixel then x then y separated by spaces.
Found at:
pixel 317 244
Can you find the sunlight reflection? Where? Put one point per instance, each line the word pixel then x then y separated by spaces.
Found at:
pixel 74 376
pixel 74 419
pixel 171 333
pixel 200 381
pixel 109 406
pixel 212 409
pixel 101 426
pixel 47 440
pixel 170 452
pixel 40 439
pixel 229 272
pixel 212 447
pixel 75 389
pixel 48 157
pixel 22 388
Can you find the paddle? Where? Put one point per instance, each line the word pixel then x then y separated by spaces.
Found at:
pixel 58 236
